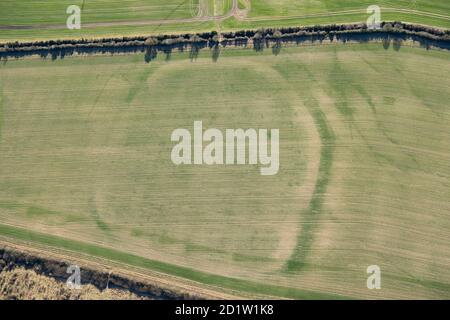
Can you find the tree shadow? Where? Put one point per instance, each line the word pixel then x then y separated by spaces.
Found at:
pixel 386 43
pixel 215 53
pixel 276 48
pixel 151 53
pixel 397 44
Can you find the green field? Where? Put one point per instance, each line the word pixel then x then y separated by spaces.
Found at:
pixel 47 19
pixel 364 166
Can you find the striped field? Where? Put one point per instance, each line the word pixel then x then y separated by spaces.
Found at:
pixel 364 167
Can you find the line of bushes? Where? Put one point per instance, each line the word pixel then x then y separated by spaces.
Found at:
pixel 427 36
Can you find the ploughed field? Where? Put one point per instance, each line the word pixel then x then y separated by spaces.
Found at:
pixel 85 165
pixel 41 20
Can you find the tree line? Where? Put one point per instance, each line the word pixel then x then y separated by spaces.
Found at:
pixel 259 39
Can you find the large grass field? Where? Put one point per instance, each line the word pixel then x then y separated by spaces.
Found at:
pixel 364 167
pixel 47 19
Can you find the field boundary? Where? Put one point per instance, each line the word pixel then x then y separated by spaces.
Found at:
pixel 258 39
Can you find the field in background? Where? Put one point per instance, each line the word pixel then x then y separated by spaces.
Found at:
pixel 85 155
pixel 47 19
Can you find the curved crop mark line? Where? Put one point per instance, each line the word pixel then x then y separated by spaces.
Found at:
pixel 297 260
pixel 298 256
pixel 99 222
